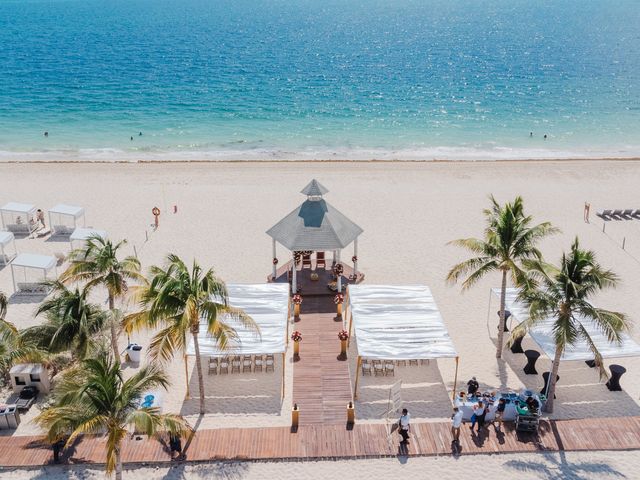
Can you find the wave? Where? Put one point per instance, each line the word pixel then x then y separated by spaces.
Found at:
pixel 442 153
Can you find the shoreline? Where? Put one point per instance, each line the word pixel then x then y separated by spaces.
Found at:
pixel 325 161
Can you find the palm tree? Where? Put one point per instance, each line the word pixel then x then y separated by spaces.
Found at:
pixel 95 399
pixel 509 239
pixel 14 347
pixel 563 293
pixel 72 321
pixel 176 300
pixel 98 264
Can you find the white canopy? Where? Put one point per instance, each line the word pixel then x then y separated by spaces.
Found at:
pixel 80 234
pixel 32 260
pixel 6 238
pixel 542 333
pixel 18 207
pixel 62 209
pixel 398 323
pixel 268 305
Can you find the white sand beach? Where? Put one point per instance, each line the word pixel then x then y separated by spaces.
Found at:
pixel 534 466
pixel 409 211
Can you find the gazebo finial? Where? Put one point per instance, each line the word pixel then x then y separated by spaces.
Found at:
pixel 314 189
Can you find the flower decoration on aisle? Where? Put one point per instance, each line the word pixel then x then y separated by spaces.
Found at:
pixel 338 299
pixel 297 256
pixel 297 299
pixel 296 336
pixel 343 335
pixel 354 259
pixel 275 261
pixel 338 269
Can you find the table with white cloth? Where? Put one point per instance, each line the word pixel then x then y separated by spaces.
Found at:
pixel 466 405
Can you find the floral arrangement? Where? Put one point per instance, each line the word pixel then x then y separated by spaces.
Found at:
pixel 296 336
pixel 275 261
pixel 343 335
pixel 338 299
pixel 297 299
pixel 338 269
pixel 297 256
pixel 354 259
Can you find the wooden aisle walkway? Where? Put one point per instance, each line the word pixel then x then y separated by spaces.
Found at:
pixel 321 384
pixel 335 441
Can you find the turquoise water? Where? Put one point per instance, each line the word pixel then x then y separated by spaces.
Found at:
pixel 218 79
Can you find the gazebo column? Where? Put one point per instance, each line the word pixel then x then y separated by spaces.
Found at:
pixel 333 260
pixel 294 284
pixel 273 261
pixel 355 256
pixel 339 279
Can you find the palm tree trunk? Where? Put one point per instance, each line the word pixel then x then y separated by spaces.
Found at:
pixel 196 347
pixel 114 331
pixel 551 392
pixel 503 300
pixel 118 463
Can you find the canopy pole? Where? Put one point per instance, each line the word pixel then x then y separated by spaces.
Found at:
pixel 339 279
pixel 273 261
pixel 355 388
pixel 294 282
pixel 350 327
pixel 355 256
pixel 455 381
pixel 283 377
pixel 186 375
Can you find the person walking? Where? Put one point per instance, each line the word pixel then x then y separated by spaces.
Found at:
pixel 587 208
pixel 456 423
pixel 478 416
pixel 403 426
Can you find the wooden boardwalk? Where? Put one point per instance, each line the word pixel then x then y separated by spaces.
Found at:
pixel 336 441
pixel 321 383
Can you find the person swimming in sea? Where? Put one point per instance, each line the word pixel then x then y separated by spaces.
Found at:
pixel 46 134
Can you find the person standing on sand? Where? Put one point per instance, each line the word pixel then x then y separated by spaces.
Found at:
pixel 403 426
pixel 40 217
pixel 587 207
pixel 497 422
pixel 456 423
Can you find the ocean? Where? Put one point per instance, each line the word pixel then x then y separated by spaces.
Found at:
pixel 309 79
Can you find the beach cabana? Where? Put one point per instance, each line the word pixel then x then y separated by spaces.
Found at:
pixel 7 247
pixel 397 323
pixel 268 305
pixel 19 218
pixel 64 219
pixel 542 334
pixel 315 226
pixel 30 270
pixel 80 235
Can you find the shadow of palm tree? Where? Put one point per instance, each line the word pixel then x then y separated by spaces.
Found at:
pixel 558 466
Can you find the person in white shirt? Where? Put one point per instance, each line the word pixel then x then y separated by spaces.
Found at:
pixel 403 426
pixel 456 422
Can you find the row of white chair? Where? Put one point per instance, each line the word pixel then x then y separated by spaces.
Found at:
pixel 241 364
pixel 385 367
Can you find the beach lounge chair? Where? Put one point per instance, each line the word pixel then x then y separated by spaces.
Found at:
pixel 269 364
pixel 213 365
pixel 235 364
pixel 628 212
pixel 413 362
pixel 402 363
pixel 258 362
pixel 246 363
pixel 617 214
pixel 306 261
pixel 224 365
pixel 636 213
pixel 320 261
pixel 604 214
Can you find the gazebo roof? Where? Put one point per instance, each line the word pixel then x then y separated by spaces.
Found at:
pixel 315 224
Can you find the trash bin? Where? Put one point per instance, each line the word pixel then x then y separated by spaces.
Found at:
pixel 13 417
pixel 134 351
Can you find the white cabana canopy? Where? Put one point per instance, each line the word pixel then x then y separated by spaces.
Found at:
pixel 82 234
pixel 29 270
pixel 542 333
pixel 268 305
pixel 7 247
pixel 398 323
pixel 18 217
pixel 63 219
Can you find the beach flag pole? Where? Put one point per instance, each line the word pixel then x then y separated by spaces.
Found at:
pixel 455 380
